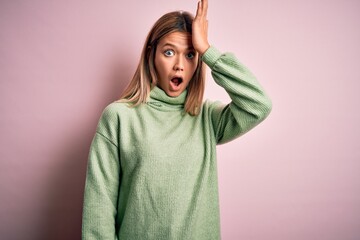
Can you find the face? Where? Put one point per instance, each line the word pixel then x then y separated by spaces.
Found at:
pixel 175 62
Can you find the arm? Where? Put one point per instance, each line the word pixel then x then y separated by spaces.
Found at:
pixel 102 183
pixel 249 106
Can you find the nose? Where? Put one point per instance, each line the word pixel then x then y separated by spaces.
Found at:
pixel 179 64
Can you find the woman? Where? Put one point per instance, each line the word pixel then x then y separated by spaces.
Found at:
pixel 152 163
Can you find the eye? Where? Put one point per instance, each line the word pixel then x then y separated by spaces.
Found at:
pixel 169 53
pixel 190 55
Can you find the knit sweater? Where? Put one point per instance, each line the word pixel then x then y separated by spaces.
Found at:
pixel 152 171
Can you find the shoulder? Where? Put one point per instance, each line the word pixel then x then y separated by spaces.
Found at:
pixel 210 105
pixel 112 114
pixel 213 109
pixel 115 109
pixel 111 117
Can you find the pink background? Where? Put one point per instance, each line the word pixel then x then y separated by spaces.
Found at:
pixel 295 176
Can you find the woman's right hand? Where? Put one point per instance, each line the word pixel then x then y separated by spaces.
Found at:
pixel 200 28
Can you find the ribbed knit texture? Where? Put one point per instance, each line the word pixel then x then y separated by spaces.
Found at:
pixel 152 170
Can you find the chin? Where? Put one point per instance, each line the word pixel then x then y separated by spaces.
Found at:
pixel 173 94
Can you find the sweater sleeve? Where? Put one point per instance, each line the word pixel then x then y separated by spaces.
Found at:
pixel 102 182
pixel 249 103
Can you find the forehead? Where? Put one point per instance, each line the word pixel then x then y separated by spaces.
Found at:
pixel 177 39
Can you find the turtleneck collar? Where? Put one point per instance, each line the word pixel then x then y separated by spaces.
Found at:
pixel 159 98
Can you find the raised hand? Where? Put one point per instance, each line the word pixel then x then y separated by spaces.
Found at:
pixel 200 28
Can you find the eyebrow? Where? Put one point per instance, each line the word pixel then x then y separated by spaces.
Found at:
pixel 174 46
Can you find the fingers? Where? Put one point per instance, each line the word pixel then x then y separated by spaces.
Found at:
pixel 204 5
pixel 199 10
pixel 202 9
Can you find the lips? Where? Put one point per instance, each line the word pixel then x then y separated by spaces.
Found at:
pixel 176 83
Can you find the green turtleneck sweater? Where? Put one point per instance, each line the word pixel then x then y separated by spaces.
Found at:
pixel 152 168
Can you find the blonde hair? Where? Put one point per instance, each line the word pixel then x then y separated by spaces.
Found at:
pixel 145 77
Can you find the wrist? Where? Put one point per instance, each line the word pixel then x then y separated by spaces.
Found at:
pixel 203 49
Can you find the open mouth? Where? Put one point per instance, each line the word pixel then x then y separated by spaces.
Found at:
pixel 176 81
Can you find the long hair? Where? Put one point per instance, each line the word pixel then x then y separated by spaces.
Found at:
pixel 145 77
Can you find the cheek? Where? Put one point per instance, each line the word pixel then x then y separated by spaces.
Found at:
pixel 161 65
pixel 192 67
